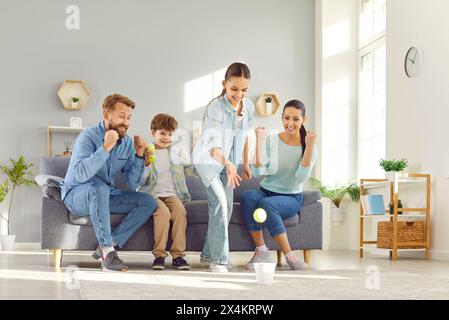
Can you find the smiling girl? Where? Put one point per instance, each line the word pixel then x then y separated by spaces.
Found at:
pixel 221 147
pixel 286 165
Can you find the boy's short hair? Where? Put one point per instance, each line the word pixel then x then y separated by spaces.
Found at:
pixel 110 101
pixel 164 121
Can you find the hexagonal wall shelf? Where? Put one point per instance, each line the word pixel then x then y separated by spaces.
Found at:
pixel 74 89
pixel 264 108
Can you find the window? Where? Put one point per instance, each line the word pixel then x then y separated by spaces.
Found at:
pixel 372 89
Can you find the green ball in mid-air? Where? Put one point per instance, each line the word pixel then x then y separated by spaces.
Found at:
pixel 260 215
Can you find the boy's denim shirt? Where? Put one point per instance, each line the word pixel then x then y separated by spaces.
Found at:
pixel 220 131
pixel 178 168
pixel 90 162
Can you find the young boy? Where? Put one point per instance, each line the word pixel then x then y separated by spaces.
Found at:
pixel 164 179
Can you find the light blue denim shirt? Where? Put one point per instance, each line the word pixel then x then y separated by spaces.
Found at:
pixel 90 162
pixel 220 130
pixel 282 168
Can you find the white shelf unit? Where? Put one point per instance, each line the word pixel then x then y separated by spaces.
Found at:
pixel 59 129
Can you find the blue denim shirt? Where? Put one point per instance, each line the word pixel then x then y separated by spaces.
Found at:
pixel 220 130
pixel 90 162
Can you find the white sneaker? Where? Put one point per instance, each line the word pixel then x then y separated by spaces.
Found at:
pixel 204 261
pixel 218 268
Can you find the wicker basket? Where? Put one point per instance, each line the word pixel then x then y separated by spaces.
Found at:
pixel 408 231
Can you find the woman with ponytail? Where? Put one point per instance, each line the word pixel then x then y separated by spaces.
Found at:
pixel 220 149
pixel 287 163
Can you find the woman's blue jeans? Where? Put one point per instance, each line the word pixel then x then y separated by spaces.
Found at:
pixel 220 200
pixel 279 207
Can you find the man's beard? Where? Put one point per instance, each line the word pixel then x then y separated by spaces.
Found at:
pixel 121 134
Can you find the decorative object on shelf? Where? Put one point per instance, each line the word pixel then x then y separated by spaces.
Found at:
pixel 72 90
pixel 76 122
pixel 336 195
pixel 413 62
pixel 400 206
pixel 373 204
pixel 407 232
pixel 268 104
pixel 67 144
pixel 392 167
pixel 18 174
pixel 75 102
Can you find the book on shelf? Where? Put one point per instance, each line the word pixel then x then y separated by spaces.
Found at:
pixel 373 204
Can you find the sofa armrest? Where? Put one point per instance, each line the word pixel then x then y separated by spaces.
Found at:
pixel 311 197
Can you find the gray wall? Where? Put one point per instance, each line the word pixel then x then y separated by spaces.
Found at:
pixel 147 50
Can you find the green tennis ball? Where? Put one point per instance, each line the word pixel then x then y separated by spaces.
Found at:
pixel 260 215
pixel 151 147
pixel 151 159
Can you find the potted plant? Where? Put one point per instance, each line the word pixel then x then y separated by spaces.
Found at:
pixel 391 167
pixel 68 144
pixel 18 174
pixel 269 105
pixel 336 194
pixel 75 102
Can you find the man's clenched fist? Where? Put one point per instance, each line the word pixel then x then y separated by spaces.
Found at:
pixel 140 145
pixel 110 140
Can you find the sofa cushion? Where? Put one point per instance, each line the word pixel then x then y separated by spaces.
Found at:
pixel 86 221
pixel 196 187
pixel 198 212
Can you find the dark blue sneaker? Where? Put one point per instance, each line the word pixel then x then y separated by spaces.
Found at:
pixel 180 264
pixel 159 263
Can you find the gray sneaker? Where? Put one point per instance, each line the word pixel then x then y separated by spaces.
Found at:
pixel 260 257
pixel 113 263
pixel 294 263
pixel 97 255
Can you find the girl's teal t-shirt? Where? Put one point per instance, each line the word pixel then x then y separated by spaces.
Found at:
pixel 281 166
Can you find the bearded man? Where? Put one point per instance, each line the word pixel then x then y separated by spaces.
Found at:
pixel 101 153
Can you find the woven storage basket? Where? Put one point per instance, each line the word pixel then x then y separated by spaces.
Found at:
pixel 408 231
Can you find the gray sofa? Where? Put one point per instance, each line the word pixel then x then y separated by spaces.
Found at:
pixel 63 231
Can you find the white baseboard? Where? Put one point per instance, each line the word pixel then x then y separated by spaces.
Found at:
pixel 439 255
pixel 27 246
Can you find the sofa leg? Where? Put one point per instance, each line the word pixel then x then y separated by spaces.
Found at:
pixel 280 255
pixel 57 258
pixel 307 256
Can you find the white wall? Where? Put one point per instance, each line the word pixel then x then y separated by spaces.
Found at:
pixel 418 109
pixel 147 50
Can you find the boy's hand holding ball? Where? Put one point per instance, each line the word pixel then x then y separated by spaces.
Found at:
pixel 149 154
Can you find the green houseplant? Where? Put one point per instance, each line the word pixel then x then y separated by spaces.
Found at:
pixel 336 194
pixel 75 102
pixel 18 174
pixel 391 167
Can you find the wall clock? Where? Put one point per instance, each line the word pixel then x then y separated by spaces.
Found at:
pixel 413 62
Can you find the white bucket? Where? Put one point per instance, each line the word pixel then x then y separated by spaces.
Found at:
pixel 264 272
pixel 7 242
